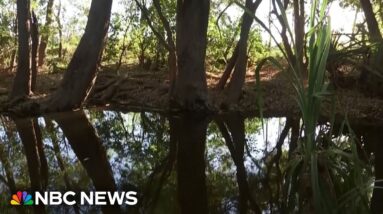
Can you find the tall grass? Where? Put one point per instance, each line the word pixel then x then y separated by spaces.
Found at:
pixel 322 166
pixel 309 98
pixel 325 171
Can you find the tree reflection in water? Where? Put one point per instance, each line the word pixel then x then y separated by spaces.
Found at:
pixel 186 163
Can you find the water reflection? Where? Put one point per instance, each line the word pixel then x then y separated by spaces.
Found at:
pixel 178 164
pixel 189 133
pixel 89 150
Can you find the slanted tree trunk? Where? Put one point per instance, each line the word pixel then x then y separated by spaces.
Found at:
pixel 124 47
pixel 372 23
pixel 285 40
pixel 82 70
pixel 22 82
pixel 60 27
pixel 238 78
pixel 172 55
pixel 372 82
pixel 45 34
pixel 35 45
pixel 190 90
pixel 233 59
pixel 299 28
pixel 228 69
pixel 14 51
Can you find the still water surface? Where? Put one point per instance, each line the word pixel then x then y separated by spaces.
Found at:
pixel 177 164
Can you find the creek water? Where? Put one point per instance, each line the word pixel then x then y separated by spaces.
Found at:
pixel 186 163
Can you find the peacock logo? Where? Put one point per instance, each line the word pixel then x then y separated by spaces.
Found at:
pixel 21 198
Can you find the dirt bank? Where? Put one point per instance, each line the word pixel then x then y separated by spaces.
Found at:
pixel 136 88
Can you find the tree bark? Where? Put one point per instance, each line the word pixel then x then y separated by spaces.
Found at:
pixel 82 70
pixel 172 55
pixel 14 51
pixel 238 78
pixel 228 69
pixel 372 82
pixel 60 27
pixel 45 34
pixel 372 23
pixel 190 90
pixel 370 136
pixel 123 48
pixel 283 33
pixel 35 45
pixel 22 82
pixel 299 28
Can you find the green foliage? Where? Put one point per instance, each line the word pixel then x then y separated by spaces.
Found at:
pixel 309 98
pixel 7 32
pixel 314 166
pixel 223 35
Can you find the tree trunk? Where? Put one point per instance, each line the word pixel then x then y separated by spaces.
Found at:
pixel 45 34
pixel 172 55
pixel 35 45
pixel 22 82
pixel 371 83
pixel 82 70
pixel 228 69
pixel 14 51
pixel 190 90
pixel 60 27
pixel 123 48
pixel 247 21
pixel 372 23
pixel 299 28
pixel 173 68
pixel 373 136
pixel 239 74
pixel 285 40
pixel 380 9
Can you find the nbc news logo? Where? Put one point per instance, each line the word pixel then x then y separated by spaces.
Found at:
pixel 68 198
